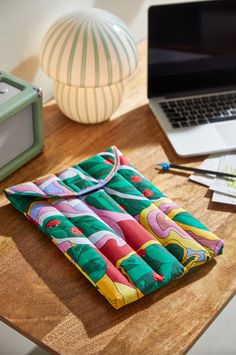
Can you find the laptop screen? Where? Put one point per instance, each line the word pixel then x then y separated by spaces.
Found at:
pixel 191 47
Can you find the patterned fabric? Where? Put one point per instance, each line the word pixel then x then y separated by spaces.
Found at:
pixel 115 226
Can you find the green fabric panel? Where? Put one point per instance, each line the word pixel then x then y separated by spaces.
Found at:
pixel 186 218
pixel 63 229
pixel 21 202
pixel 143 184
pixel 145 281
pixel 159 258
pixel 95 167
pixel 89 260
pixel 90 225
pixel 101 200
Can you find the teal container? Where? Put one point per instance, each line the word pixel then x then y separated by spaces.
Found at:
pixel 21 123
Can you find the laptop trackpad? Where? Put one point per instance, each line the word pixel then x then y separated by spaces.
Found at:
pixel 228 133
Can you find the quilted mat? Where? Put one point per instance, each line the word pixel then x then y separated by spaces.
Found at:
pixel 125 235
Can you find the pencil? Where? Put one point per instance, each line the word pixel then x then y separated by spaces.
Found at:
pixel 168 166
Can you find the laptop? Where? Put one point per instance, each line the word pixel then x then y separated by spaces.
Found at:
pixel 192 74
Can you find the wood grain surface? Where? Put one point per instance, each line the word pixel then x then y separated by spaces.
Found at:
pixel 45 297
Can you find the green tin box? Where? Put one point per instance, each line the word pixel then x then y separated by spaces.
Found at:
pixel 21 123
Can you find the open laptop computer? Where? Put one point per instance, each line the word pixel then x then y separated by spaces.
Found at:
pixel 192 74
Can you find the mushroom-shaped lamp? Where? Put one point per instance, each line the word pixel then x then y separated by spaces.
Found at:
pixel 89 53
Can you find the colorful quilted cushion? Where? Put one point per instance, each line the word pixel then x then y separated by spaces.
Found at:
pixel 115 226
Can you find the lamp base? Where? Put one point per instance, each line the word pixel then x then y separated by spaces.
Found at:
pixel 88 105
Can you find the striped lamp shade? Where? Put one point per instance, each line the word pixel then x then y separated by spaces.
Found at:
pixel 88 48
pixel 89 53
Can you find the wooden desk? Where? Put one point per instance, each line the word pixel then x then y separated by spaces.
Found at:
pixel 45 298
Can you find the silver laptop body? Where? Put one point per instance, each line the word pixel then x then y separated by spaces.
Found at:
pixel 192 74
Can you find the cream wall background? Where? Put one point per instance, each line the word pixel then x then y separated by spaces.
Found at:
pixel 24 23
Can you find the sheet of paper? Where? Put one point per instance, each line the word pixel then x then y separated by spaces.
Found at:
pixel 211 163
pixel 222 198
pixel 227 186
pixel 221 187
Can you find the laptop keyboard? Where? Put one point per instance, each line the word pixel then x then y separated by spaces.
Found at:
pixel 200 110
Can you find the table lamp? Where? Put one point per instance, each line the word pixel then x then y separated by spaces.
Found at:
pixel 89 53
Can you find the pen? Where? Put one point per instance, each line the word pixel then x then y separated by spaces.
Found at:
pixel 168 166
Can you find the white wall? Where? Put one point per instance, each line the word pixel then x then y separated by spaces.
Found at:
pixel 24 23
